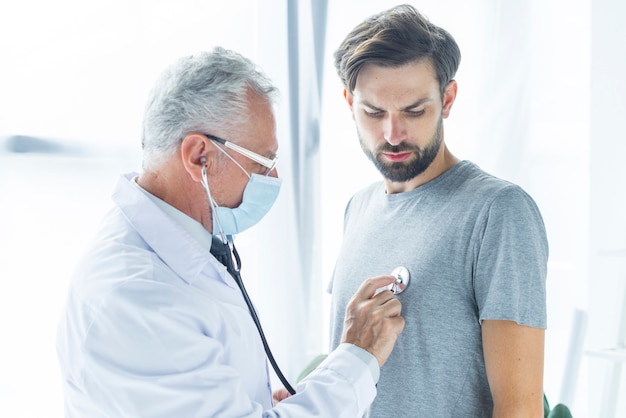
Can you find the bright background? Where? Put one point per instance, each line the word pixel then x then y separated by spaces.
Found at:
pixel 541 101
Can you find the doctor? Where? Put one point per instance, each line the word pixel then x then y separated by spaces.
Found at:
pixel 155 325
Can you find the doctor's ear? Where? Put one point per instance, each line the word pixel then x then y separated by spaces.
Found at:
pixel 196 152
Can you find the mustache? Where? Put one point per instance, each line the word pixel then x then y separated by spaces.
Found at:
pixel 401 147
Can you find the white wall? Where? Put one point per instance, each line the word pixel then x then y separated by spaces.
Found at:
pixel 607 273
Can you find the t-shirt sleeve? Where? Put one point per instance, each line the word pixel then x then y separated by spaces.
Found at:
pixel 511 261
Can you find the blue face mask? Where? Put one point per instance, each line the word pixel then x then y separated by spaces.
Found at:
pixel 258 198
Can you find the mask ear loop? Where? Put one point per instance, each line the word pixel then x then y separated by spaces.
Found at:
pixel 205 184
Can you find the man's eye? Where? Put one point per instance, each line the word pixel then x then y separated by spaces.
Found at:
pixel 374 113
pixel 415 112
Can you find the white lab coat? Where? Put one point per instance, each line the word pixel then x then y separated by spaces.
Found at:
pixel 154 326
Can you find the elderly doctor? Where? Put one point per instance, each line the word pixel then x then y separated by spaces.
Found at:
pixel 155 325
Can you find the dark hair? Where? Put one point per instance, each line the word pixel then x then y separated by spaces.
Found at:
pixel 395 37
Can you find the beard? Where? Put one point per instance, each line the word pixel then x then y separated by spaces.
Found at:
pixel 406 170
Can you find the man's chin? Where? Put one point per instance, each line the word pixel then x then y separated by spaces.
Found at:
pixel 399 176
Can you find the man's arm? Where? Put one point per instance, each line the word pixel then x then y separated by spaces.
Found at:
pixel 514 363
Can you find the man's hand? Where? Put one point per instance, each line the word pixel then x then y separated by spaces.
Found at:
pixel 373 322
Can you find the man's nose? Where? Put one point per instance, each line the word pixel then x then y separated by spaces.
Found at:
pixel 394 130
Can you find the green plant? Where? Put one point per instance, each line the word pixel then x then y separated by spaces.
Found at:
pixel 559 410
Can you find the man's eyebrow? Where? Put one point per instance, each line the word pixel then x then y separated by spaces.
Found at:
pixel 371 106
pixel 405 108
pixel 417 103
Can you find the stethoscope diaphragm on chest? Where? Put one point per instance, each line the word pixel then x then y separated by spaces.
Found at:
pixel 402 276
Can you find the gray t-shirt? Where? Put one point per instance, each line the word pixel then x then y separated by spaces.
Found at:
pixel 476 249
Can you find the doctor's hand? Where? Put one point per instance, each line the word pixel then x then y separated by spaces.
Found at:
pixel 373 321
pixel 280 395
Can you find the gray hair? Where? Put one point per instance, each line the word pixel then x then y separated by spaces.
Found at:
pixel 199 93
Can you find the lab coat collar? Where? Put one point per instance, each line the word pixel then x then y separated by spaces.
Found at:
pixel 170 241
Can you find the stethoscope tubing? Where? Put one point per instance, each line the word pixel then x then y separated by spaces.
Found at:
pixel 257 322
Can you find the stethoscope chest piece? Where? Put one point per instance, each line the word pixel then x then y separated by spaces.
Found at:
pixel 402 276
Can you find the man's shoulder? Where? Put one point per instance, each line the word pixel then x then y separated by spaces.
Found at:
pixel 477 181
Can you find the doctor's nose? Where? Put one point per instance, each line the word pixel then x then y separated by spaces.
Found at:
pixel 273 172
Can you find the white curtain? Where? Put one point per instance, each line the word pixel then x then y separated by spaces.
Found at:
pixel 285 246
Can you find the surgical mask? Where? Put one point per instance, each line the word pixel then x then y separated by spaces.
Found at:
pixel 258 198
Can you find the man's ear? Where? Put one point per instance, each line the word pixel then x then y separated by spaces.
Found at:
pixel 196 152
pixel 449 95
pixel 348 97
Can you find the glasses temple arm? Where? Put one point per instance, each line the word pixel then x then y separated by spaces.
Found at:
pixel 253 156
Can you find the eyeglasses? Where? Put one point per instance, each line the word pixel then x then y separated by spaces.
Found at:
pixel 268 163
